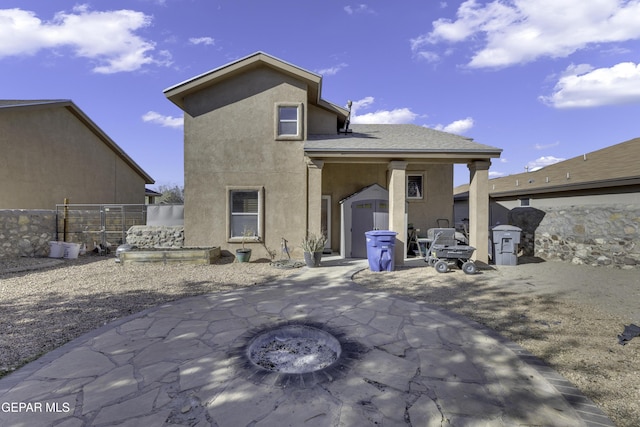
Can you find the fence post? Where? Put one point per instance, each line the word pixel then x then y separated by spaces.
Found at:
pixel 64 220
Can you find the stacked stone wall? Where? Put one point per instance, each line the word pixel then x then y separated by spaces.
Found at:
pixel 590 234
pixel 156 236
pixel 26 233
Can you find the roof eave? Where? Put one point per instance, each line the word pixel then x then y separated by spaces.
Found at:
pixel 420 154
pixel 567 187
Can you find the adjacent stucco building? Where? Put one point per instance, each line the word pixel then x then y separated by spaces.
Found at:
pixel 51 151
pixel 264 152
pixel 585 210
pixel 608 176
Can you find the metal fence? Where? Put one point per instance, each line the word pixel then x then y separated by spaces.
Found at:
pixel 97 224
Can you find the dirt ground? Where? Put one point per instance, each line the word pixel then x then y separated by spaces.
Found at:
pixel 568 315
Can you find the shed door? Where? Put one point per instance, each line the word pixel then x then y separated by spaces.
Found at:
pixel 366 215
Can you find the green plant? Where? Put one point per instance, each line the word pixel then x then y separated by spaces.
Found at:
pixel 313 242
pixel 246 234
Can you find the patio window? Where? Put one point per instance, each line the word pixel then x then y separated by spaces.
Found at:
pixel 414 186
pixel 289 121
pixel 245 212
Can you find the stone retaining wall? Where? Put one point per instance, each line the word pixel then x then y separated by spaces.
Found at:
pixel 591 234
pixel 156 236
pixel 26 233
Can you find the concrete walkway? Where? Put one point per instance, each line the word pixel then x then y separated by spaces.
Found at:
pixel 184 363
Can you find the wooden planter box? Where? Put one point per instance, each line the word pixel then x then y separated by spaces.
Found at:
pixel 165 256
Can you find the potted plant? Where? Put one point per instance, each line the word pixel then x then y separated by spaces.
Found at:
pixel 244 254
pixel 313 245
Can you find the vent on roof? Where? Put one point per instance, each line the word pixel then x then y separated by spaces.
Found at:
pixel 346 129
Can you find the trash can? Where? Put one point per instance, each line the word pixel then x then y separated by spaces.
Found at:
pixel 380 249
pixel 56 250
pixel 506 239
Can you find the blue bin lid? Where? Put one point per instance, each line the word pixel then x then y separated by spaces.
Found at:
pixel 381 233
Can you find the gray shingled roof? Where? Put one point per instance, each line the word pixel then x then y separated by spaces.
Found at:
pixel 393 138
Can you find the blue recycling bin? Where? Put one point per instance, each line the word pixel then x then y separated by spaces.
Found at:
pixel 380 247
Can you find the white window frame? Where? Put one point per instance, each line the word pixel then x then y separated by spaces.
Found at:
pixel 260 214
pixel 420 196
pixel 288 136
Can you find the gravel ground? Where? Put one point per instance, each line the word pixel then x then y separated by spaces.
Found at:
pixel 569 316
pixel 51 302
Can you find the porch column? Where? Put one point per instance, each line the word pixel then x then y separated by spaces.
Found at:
pixel 479 209
pixel 397 200
pixel 314 195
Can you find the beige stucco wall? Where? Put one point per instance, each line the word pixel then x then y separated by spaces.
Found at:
pixel 321 122
pixel 341 180
pixel 49 155
pixel 229 141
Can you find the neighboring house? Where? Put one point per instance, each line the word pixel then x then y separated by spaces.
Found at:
pixel 603 177
pixel 585 209
pixel 150 196
pixel 51 151
pixel 264 152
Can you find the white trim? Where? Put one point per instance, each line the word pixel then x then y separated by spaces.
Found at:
pixel 420 190
pixel 259 233
pixel 288 137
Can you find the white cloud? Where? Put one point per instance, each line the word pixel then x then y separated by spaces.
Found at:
pixel 520 31
pixel 108 37
pixel 428 56
pixel 543 161
pixel 360 8
pixel 207 41
pixel 395 116
pixel 545 146
pixel 458 127
pixel 332 70
pixel 494 174
pixel 164 121
pixel 583 86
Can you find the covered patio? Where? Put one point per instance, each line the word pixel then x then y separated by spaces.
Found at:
pixel 413 163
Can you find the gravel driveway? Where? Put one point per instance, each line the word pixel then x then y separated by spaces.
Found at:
pixel 570 316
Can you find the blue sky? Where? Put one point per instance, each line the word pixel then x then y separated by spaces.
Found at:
pixel 544 80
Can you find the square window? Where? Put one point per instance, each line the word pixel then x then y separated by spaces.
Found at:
pixel 245 212
pixel 288 121
pixel 414 187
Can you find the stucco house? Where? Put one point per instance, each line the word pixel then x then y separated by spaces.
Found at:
pixel 265 152
pixel 585 209
pixel 51 150
pixel 607 176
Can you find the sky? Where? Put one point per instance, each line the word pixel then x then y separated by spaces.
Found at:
pixel 545 80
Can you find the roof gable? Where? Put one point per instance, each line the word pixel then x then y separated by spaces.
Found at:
pixel 84 119
pixel 177 93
